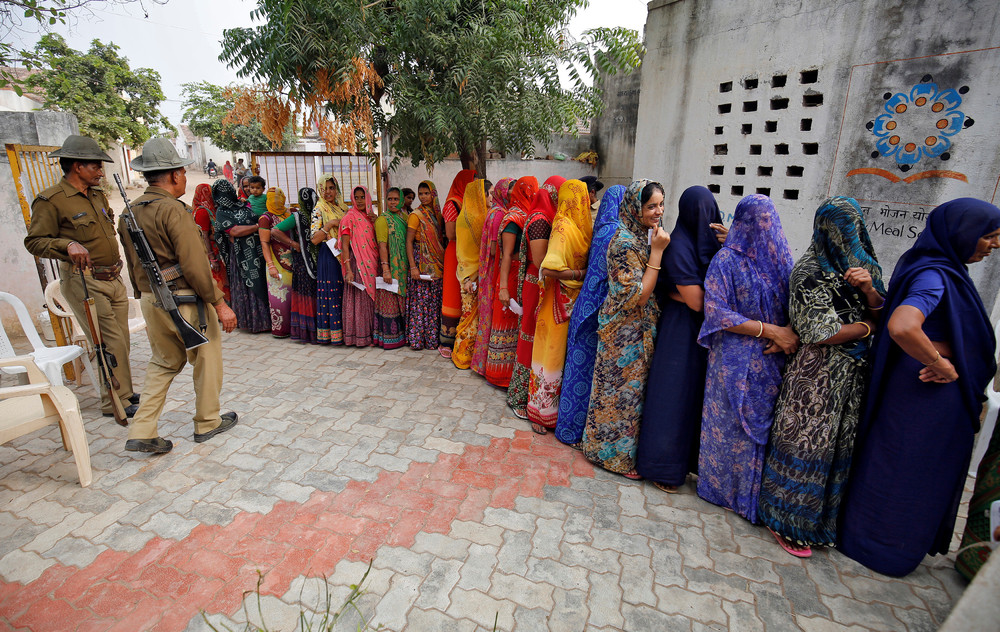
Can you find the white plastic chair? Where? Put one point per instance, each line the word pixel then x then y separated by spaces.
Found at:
pixel 49 359
pixel 989 421
pixel 27 408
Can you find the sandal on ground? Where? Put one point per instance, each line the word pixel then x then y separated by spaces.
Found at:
pixel 577 446
pixel 520 413
pixel 790 547
pixel 445 352
pixel 632 475
pixel 538 428
pixel 670 489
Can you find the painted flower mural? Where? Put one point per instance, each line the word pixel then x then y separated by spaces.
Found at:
pixel 918 124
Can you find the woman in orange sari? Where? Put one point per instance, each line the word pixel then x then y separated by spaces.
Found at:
pixel 489 268
pixel 535 245
pixel 468 233
pixel 510 281
pixel 562 273
pixel 451 298
pixel 425 254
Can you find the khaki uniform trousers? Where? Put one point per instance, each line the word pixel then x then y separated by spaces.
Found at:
pixel 111 301
pixel 168 359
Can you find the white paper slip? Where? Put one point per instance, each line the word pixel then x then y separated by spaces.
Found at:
pixel 426 277
pixel 388 287
pixel 360 286
pixel 332 245
pixel 649 237
pixel 514 307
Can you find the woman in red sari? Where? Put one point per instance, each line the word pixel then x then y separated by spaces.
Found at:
pixel 536 231
pixel 489 268
pixel 204 217
pixel 359 259
pixel 451 298
pixel 506 322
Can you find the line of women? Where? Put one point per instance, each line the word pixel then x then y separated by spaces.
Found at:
pixel 803 395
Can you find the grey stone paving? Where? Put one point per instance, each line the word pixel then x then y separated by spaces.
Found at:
pixel 601 553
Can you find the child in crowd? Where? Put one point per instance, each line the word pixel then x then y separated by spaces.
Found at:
pixel 258 200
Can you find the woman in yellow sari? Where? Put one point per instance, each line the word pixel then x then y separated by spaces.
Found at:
pixel 562 273
pixel 468 233
pixel 329 277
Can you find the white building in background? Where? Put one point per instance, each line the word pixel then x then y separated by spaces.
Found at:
pixel 892 103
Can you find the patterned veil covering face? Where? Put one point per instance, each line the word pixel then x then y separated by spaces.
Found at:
pixel 430 238
pixel 308 200
pixel 581 343
pixel 569 245
pixel 816 415
pixel 626 333
pixel 468 233
pixel 218 252
pixel 489 267
pixel 246 255
pixel 747 280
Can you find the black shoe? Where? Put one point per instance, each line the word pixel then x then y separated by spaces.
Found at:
pixel 159 445
pixel 134 399
pixel 228 421
pixel 130 411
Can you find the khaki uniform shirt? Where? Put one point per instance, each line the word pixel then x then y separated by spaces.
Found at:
pixel 174 239
pixel 63 214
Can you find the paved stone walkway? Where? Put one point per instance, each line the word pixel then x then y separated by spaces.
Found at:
pixel 344 456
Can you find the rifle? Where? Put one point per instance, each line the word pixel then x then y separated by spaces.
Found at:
pixel 106 360
pixel 165 299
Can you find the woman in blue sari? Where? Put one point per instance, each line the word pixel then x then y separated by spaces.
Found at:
pixel 675 391
pixel 932 360
pixel 747 334
pixel 581 344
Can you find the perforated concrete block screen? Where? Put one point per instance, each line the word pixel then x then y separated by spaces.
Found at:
pixel 763 132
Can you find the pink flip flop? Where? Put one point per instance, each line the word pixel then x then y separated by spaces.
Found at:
pixel 790 548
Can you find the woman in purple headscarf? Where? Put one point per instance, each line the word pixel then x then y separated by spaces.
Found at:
pixel 747 335
pixel 675 392
pixel 932 359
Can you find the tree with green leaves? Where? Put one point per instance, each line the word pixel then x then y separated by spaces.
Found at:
pixel 207 110
pixel 456 75
pixel 43 13
pixel 112 102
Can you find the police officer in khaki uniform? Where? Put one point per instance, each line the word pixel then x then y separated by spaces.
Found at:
pixel 72 222
pixel 179 248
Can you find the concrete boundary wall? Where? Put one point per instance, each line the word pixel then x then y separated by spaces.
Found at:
pixel 893 103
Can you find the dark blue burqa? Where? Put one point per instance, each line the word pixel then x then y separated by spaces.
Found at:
pixel 671 421
pixel 915 439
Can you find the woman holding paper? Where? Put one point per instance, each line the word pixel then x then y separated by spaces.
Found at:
pixel 359 258
pixel 278 256
pixel 390 301
pixel 626 331
pixel 425 255
pixel 469 231
pixel 507 307
pixel 326 219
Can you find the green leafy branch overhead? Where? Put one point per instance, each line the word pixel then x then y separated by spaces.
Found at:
pixel 455 75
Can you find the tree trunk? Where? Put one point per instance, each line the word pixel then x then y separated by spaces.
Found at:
pixel 474 157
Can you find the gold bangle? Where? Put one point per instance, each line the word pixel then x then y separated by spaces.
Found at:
pixel 652 266
pixel 761 332
pixel 868 327
pixel 936 360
